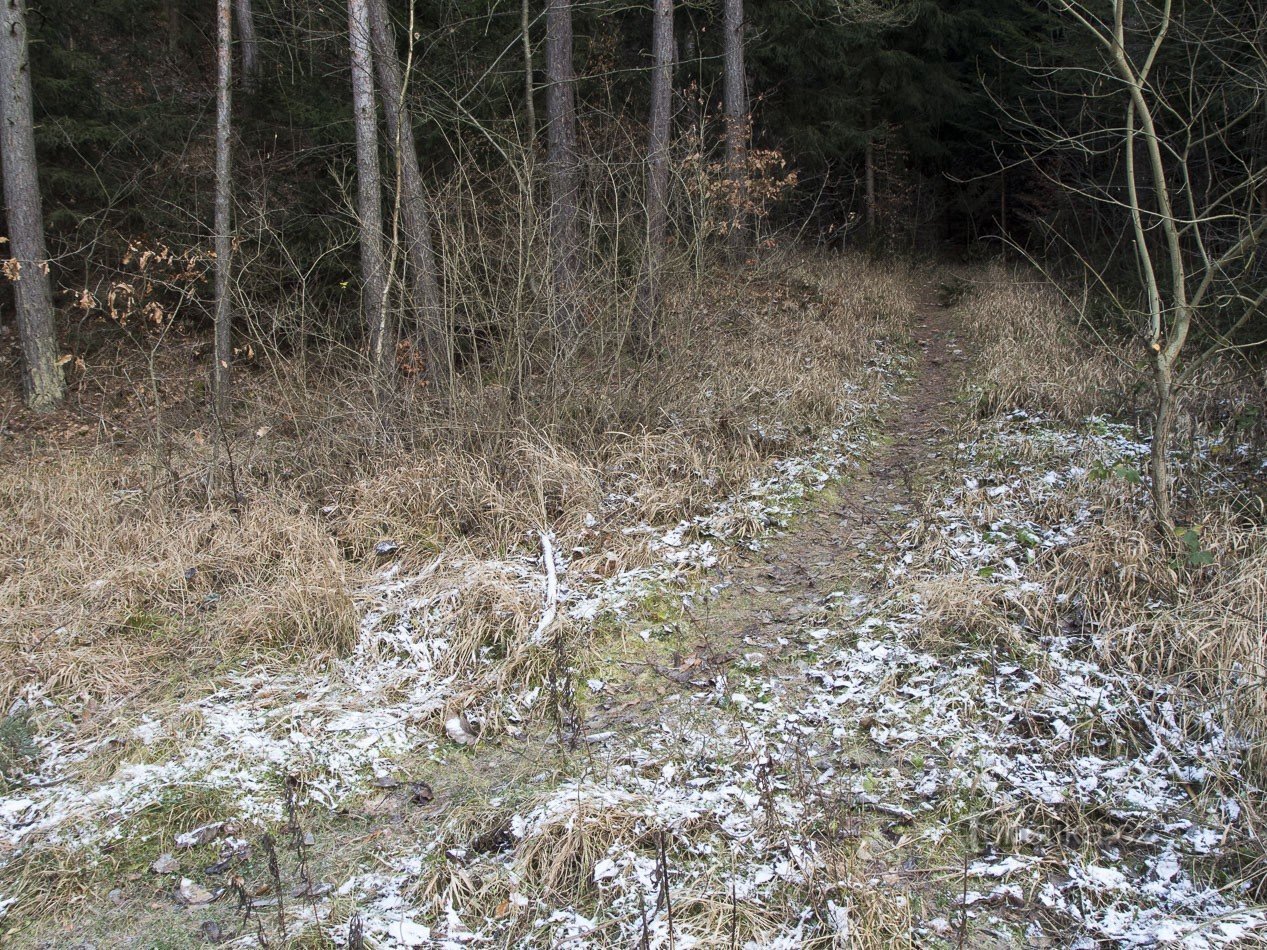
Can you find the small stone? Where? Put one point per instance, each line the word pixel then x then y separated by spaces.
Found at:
pixel 166 864
pixel 200 836
pixel 420 793
pixel 212 932
pixel 193 893
pixel 116 897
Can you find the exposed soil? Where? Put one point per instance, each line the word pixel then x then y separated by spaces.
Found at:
pixel 763 598
pixel 827 549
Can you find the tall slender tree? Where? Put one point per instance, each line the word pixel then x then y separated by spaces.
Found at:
pixel 171 14
pixel 735 93
pixel 43 382
pixel 657 161
pixel 868 178
pixel 561 157
pixel 420 250
pixel 530 105
pixel 223 357
pixel 369 197
pixel 249 45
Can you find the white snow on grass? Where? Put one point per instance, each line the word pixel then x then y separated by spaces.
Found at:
pixel 343 726
pixel 1096 804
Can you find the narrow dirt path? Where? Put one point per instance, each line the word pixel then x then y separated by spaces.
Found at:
pixel 765 597
pixel 825 550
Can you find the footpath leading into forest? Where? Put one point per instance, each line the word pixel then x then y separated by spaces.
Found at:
pixel 875 726
pixel 764 593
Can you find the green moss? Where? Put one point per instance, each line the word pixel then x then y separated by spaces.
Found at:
pixel 153 625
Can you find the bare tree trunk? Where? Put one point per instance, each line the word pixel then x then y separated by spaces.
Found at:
pixel 250 46
pixel 43 384
pixel 223 357
pixel 564 190
pixel 525 15
pixel 735 91
pixel 1163 428
pixel 171 13
pixel 1169 332
pixel 868 179
pixel 369 197
pixel 657 163
pixel 869 186
pixel 424 283
pixel 1003 202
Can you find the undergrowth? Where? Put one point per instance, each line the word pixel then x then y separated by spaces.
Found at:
pixel 137 571
pixel 1192 607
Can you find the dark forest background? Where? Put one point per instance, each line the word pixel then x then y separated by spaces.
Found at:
pixel 124 98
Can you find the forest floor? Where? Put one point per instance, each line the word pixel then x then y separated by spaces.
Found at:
pixel 843 708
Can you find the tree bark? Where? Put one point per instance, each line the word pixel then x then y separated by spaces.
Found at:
pixel 657 162
pixel 868 179
pixel 1003 202
pixel 171 13
pixel 561 158
pixel 735 92
pixel 530 105
pixel 869 185
pixel 420 250
pixel 250 46
pixel 223 357
pixel 43 383
pixel 1159 452
pixel 369 207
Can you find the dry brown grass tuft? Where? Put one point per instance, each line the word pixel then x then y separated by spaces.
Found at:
pixel 965 609
pixel 1156 613
pixel 108 580
pixel 1032 353
pixel 553 864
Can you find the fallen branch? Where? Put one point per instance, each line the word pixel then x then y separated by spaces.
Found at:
pixel 552 590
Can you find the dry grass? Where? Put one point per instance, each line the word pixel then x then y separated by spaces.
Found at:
pixel 109 577
pixel 965 609
pixel 1156 613
pixel 143 564
pixel 1154 609
pixel 553 865
pixel 1033 354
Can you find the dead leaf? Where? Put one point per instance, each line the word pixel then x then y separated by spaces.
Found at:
pixel 193 893
pixel 166 864
pixel 460 730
